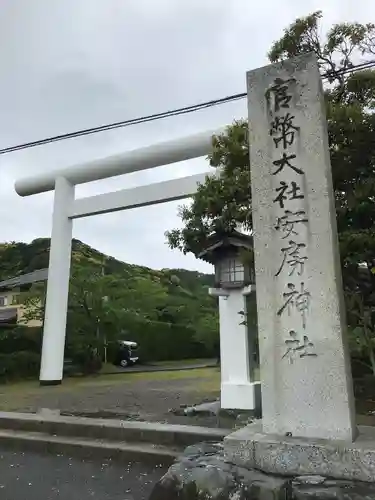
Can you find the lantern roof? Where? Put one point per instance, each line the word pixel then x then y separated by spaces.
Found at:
pixel 223 244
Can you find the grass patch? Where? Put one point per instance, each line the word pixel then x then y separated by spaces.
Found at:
pixel 209 384
pixel 183 362
pixel 128 377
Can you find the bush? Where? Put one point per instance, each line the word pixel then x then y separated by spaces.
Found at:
pixel 21 338
pixel 360 366
pixel 87 361
pixel 21 364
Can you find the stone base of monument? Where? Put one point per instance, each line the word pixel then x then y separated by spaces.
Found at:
pixel 203 472
pixel 249 447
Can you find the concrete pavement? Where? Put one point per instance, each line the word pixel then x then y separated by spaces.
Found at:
pixel 28 475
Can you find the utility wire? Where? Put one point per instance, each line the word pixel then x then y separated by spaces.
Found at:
pixel 167 114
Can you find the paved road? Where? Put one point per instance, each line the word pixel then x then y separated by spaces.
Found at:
pixel 30 476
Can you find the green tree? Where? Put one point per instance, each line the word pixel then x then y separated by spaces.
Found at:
pixel 92 318
pixel 361 315
pixel 33 304
pixel 207 331
pixel 222 202
pixel 101 306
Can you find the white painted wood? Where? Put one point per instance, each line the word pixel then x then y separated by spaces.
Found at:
pixel 125 199
pixel 52 362
pixel 164 153
pixel 66 208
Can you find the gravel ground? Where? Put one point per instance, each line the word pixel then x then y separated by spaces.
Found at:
pixel 137 399
pixel 31 476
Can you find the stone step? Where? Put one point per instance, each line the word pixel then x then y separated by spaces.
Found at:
pixel 179 436
pixel 88 448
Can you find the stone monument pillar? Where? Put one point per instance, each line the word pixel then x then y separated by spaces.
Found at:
pixel 305 371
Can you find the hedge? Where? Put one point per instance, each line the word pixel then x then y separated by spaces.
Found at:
pixel 21 364
pixel 20 348
pixel 21 338
pixel 165 342
pixel 157 341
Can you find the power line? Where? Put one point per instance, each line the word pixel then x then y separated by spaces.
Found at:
pixel 125 123
pixel 166 114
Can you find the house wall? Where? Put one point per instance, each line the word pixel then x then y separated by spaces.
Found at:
pixel 11 299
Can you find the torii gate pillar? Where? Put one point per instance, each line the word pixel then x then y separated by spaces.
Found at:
pixel 52 363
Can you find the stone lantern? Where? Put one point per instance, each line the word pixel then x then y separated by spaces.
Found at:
pixel 231 254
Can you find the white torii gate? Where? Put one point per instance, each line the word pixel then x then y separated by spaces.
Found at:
pixel 67 208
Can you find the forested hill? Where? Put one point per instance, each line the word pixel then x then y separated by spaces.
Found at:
pixel 185 292
pixel 20 258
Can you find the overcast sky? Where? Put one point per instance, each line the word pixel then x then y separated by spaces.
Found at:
pixel 71 64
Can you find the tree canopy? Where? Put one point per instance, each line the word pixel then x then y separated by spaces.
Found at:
pixel 224 201
pixel 109 299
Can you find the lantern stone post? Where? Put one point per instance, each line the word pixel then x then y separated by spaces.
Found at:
pixel 234 287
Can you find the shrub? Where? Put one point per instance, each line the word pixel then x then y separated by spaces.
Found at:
pixel 163 342
pixel 21 364
pixel 87 361
pixel 21 338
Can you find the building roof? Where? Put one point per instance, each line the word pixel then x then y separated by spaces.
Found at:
pixel 25 279
pixel 218 242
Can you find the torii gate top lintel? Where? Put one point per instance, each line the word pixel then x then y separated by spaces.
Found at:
pixel 163 153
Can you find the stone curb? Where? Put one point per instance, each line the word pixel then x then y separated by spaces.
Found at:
pixel 88 448
pixel 178 436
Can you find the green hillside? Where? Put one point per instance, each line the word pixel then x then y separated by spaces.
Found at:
pixel 18 258
pixel 168 311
